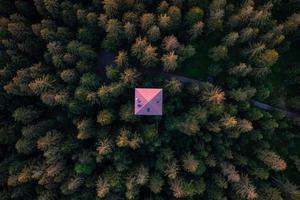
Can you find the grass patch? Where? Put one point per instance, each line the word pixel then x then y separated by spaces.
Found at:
pixel 279 78
pixel 197 66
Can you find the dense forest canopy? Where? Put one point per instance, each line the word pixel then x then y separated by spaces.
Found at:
pixel 68 70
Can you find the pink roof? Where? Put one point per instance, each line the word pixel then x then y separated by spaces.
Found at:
pixel 148 101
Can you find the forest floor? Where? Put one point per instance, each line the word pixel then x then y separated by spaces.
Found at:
pixel 104 58
pixel 198 65
pixel 280 84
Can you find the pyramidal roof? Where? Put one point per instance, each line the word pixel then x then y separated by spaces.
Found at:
pixel 148 101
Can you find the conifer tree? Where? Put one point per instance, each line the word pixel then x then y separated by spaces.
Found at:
pixel 272 160
pixel 150 57
pixel 170 61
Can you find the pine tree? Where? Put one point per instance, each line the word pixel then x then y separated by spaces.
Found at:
pixel 213 95
pixel 153 33
pixel 164 22
pixel 102 21
pixel 240 70
pixel 170 43
pixel 267 58
pixel 190 164
pixel 177 188
pixel 112 72
pixel 42 84
pixel 289 190
pixel 228 121
pixel 155 183
pixel 69 75
pixel 230 39
pixel 111 7
pixel 142 175
pixel 86 128
pixel 121 59
pixel 189 126
pixel 194 14
pixel 255 50
pixel 102 187
pixel 272 160
pixel 170 61
pixel 292 23
pixel 216 14
pixel 150 55
pixel 105 146
pixel 130 77
pixel 113 33
pixel 127 114
pixel 130 31
pixel 147 20
pixel 173 86
pixel 138 47
pixel 162 7
pixel 196 30
pixel 53 7
pixel 25 146
pixel 245 189
pixel 175 13
pixel 105 117
pixel 262 16
pixel 218 53
pixel 131 16
pixel 51 138
pixel 26 114
pixel 231 173
pixel 248 34
pixel 171 169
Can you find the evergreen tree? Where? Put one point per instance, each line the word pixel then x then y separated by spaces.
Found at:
pixel 272 160
pixel 147 20
pixel 149 58
pixel 218 53
pixel 154 33
pixel 196 30
pixel 138 47
pixel 173 86
pixel 105 117
pixel 170 61
pixel 121 59
pixel 194 14
pixel 68 70
pixel 170 43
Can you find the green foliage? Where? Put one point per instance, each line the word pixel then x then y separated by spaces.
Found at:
pixel 90 81
pixel 25 114
pixel 218 53
pixel 7 7
pixel 201 168
pixel 105 117
pixel 85 169
pixel 67 123
pixel 170 61
pixel 24 146
pixel 268 58
pixel 194 14
pixel 173 86
pixel 153 33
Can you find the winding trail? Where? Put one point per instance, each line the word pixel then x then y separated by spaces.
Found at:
pixel 105 58
pixel 264 106
pixel 256 103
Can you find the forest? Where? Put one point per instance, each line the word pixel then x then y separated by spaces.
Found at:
pixel 230 74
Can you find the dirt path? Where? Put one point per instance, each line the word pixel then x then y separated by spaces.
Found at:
pixel 258 104
pixel 269 107
pixel 106 58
